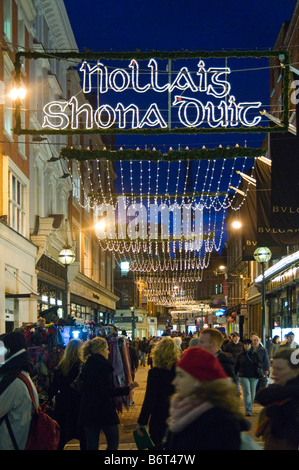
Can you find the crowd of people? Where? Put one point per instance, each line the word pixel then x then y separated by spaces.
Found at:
pixel 194 391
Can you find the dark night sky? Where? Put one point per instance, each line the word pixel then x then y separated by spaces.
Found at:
pixel 175 25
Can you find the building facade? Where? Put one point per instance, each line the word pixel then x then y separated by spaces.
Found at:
pixel 44 198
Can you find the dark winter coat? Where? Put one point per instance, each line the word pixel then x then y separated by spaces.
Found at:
pixel 97 397
pixel 216 429
pixel 67 403
pixel 263 357
pixel 228 364
pixel 247 364
pixel 281 407
pixel 133 357
pixel 143 346
pixel 155 408
pixel 234 349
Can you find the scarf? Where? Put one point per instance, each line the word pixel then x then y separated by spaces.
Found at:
pixel 184 412
pixel 263 427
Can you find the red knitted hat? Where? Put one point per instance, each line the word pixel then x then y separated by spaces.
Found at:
pixel 201 364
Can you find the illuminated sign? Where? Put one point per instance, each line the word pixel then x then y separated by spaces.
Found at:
pixel 220 312
pixel 192 111
pixel 199 99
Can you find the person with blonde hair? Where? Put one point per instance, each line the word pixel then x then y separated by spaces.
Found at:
pixel 205 409
pixel 97 411
pixel 159 388
pixel 67 400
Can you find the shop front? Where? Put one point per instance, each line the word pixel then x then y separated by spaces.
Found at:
pixel 282 294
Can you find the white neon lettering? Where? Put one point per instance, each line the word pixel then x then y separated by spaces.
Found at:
pixel 219 83
pixel 135 77
pixel 233 111
pixel 158 120
pixel 213 121
pixel 99 69
pixel 187 104
pixel 154 77
pixel 122 112
pixel 125 77
pixel 183 74
pixel 191 112
pixel 75 112
pixel 243 110
pixel 203 80
pixel 110 114
pixel 54 110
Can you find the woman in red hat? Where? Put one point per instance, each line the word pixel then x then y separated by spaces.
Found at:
pixel 205 409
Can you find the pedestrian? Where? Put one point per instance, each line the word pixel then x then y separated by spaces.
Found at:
pixel 290 341
pixel 212 340
pixel 134 360
pixel 15 401
pixel 205 409
pixel 279 420
pixel 268 344
pixel 151 344
pixel 143 347
pixel 274 346
pixel 178 341
pixel 97 408
pixel 66 398
pixel 247 366
pixel 263 359
pixel 159 388
pixel 226 341
pixel 234 347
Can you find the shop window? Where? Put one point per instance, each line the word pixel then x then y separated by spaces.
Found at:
pixel 286 317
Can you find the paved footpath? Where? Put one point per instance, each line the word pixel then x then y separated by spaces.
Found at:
pixel 128 419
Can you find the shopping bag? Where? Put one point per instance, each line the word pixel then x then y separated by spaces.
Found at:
pixel 144 441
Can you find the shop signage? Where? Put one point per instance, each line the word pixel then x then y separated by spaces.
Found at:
pixel 123 319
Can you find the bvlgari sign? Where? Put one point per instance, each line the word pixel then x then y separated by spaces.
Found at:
pixel 192 109
pixel 156 92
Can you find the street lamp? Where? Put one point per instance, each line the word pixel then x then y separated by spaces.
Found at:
pixel 262 255
pixel 66 257
pixel 17 93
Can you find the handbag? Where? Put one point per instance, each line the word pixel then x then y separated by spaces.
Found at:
pixel 258 369
pixel 260 372
pixel 144 441
pixel 77 383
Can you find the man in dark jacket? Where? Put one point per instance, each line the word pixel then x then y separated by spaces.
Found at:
pixel 211 340
pixel 264 360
